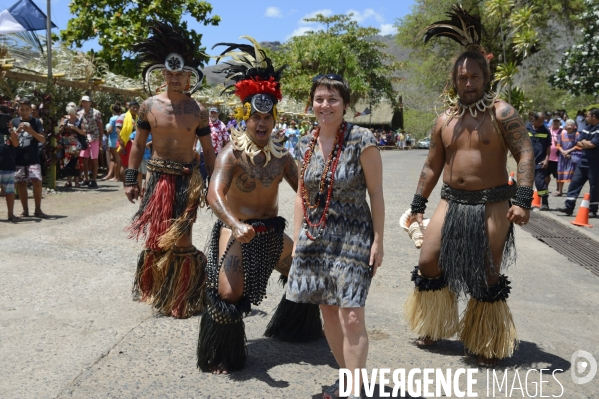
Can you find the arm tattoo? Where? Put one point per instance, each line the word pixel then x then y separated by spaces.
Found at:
pixel 526 173
pixel 423 174
pixel 204 117
pixel 515 132
pixel 519 144
pixel 224 174
pixel 232 264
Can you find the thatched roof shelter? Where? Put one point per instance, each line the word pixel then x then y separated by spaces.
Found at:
pixel 382 115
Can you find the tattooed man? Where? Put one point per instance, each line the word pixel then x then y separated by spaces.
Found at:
pixel 469 238
pixel 248 240
pixel 170 271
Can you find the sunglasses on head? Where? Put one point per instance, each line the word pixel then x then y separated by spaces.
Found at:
pixel 332 76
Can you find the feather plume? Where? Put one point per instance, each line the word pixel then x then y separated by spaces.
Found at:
pixel 249 71
pixel 462 27
pixel 165 39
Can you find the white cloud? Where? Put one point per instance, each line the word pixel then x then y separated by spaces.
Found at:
pixel 360 17
pixel 300 31
pixel 325 12
pixel 387 29
pixel 273 12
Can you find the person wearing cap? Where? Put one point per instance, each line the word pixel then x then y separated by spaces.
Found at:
pixel 248 240
pixel 91 122
pixel 171 271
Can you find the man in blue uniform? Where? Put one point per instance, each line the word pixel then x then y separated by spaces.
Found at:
pixel 541 144
pixel 587 168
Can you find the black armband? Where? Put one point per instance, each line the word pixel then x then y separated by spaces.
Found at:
pixel 418 204
pixel 203 131
pixel 131 177
pixel 144 124
pixel 523 197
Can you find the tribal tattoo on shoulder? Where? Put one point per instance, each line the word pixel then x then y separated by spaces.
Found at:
pixel 515 131
pixel 225 171
pixel 204 116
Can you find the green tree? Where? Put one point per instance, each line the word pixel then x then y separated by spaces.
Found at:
pixel 514 30
pixel 118 24
pixel 343 48
pixel 578 71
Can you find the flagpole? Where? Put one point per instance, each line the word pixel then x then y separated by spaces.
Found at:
pixel 49 38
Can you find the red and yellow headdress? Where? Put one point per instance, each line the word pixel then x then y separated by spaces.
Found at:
pixel 251 76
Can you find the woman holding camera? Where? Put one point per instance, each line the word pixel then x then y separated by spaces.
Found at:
pixel 70 130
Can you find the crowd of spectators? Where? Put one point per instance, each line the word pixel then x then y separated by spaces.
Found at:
pixel 562 146
pixel 83 145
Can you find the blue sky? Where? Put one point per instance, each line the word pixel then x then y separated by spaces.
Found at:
pixel 265 20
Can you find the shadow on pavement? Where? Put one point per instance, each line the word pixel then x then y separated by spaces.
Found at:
pixel 529 355
pixel 266 354
pixel 376 393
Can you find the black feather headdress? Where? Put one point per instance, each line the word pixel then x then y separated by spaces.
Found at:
pixel 462 27
pixel 169 47
pixel 251 76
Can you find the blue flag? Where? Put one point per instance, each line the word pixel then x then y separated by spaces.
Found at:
pixel 28 15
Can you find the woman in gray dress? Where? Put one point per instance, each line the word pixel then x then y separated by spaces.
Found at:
pixel 338 240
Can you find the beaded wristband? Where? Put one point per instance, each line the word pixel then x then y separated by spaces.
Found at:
pixel 131 177
pixel 523 197
pixel 418 204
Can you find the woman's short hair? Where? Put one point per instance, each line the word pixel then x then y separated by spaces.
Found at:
pixel 570 121
pixel 332 82
pixel 71 108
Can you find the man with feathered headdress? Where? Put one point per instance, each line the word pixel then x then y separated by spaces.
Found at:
pixel 248 241
pixel 469 239
pixel 170 272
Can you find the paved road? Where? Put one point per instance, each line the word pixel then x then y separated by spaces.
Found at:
pixel 69 329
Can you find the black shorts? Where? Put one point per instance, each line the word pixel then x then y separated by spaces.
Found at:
pixel 551 169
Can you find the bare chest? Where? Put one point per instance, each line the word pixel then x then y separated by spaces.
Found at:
pixel 468 133
pixel 250 177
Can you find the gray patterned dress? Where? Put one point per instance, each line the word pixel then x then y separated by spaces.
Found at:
pixel 333 269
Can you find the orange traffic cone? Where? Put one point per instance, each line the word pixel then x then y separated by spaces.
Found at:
pixel 512 179
pixel 536 200
pixel 582 217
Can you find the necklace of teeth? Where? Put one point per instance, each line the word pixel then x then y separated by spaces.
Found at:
pixel 457 109
pixel 242 142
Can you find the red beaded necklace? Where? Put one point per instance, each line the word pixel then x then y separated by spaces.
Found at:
pixel 327 180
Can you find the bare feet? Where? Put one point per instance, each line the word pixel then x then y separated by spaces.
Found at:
pixel 220 370
pixel 24 214
pixel 486 362
pixel 14 219
pixel 425 341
